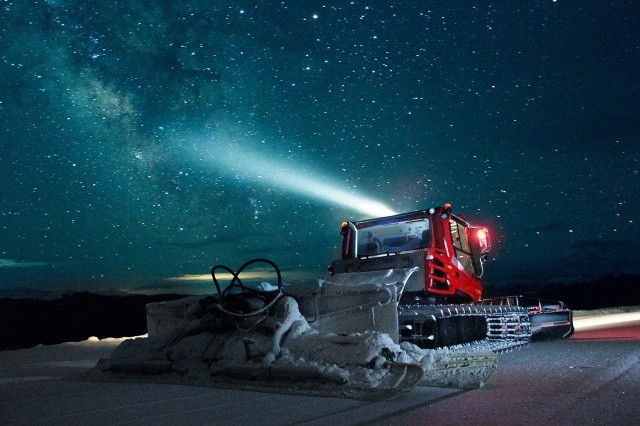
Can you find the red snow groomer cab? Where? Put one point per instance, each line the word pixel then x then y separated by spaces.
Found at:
pixel 441 303
pixel 447 249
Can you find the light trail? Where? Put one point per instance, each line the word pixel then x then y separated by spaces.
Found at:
pixel 605 321
pixel 241 162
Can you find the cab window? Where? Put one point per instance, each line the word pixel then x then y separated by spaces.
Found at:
pixel 461 246
pixel 394 237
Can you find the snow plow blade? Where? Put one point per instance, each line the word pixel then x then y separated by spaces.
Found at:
pixel 278 353
pixel 326 339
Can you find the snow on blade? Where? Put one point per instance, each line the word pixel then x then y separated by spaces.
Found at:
pixel 191 343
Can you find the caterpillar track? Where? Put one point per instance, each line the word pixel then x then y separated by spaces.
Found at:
pixel 496 328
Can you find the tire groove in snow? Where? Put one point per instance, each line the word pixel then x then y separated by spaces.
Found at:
pixel 592 387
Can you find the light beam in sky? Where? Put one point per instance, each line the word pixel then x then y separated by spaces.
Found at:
pixel 239 160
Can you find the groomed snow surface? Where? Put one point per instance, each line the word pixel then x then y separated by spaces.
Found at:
pixel 591 378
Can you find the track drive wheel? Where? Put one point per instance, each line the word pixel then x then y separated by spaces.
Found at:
pixel 447 332
pixel 430 334
pixel 465 329
pixel 480 328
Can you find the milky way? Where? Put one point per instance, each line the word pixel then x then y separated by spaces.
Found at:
pixel 142 143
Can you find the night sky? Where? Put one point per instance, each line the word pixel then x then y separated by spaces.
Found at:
pixel 143 142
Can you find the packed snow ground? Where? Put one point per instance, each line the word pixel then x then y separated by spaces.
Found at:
pixel 591 378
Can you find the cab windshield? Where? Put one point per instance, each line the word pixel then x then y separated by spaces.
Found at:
pixel 393 237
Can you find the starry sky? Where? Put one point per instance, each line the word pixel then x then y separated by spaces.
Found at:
pixel 143 142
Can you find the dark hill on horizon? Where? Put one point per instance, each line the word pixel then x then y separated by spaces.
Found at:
pixel 73 317
pixel 578 294
pixel 606 292
pixel 77 316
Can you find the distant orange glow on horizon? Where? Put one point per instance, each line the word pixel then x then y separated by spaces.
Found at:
pixel 223 275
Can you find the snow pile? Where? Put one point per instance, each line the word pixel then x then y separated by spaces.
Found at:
pixel 284 352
